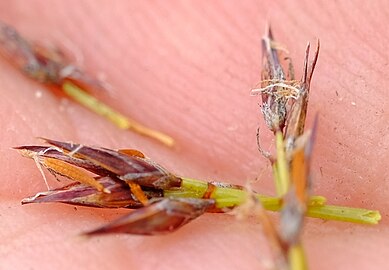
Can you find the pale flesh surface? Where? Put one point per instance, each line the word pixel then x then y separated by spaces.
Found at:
pixel 186 68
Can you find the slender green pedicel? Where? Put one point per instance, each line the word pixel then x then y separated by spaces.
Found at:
pixel 227 197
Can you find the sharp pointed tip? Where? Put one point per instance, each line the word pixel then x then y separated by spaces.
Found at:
pixel 92 233
pixel 308 46
pixel 25 201
pixel 318 46
pixel 86 235
pixel 47 140
pixel 268 31
pixel 44 140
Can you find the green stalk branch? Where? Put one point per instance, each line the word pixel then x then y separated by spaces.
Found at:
pixel 228 197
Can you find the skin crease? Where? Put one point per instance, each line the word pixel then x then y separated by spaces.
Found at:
pixel 187 70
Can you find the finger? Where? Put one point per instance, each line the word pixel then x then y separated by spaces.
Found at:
pixel 202 101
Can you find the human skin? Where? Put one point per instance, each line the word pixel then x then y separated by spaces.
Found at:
pixel 186 68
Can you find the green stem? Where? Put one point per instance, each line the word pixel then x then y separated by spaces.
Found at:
pixel 342 213
pixel 121 121
pixel 281 169
pixel 297 258
pixel 228 197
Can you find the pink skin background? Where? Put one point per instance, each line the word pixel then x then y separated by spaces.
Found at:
pixel 186 68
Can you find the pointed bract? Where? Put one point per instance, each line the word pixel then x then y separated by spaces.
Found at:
pixel 273 105
pixel 105 162
pixel 120 195
pixel 134 168
pixel 161 217
pixel 296 117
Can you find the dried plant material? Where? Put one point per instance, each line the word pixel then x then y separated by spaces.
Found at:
pixel 292 172
pixel 284 107
pixel 298 112
pixel 133 170
pixel 120 195
pixel 138 193
pixel 128 168
pixel 115 170
pixel 51 68
pixel 161 217
pixel 132 153
pixel 284 99
pixel 59 167
pixel 59 154
pixel 296 200
pixel 276 85
pixel 73 173
pixel 296 204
